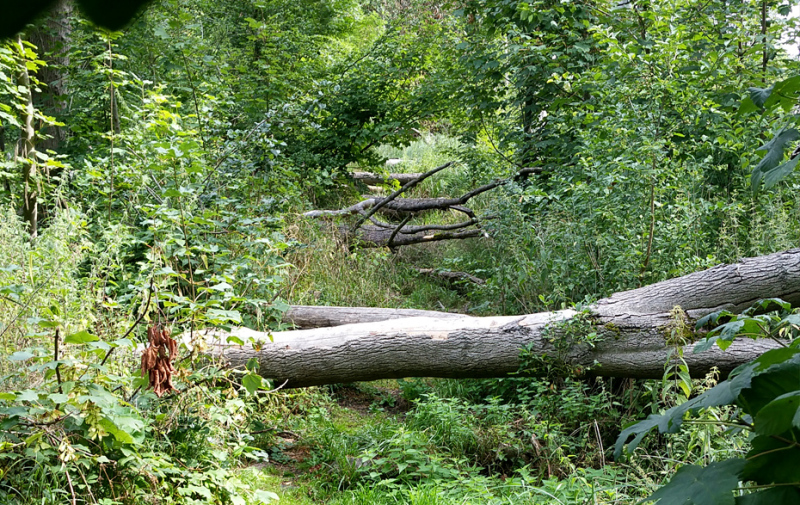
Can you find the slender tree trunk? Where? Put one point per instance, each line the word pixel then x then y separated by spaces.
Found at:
pixel 52 38
pixel 25 152
pixel 624 335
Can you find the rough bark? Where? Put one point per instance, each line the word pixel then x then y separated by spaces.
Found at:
pixel 631 330
pixel 373 178
pixel 52 39
pixel 25 152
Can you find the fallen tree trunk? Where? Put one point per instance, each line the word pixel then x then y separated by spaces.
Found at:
pixel 373 178
pixel 312 316
pixel 377 236
pixel 624 335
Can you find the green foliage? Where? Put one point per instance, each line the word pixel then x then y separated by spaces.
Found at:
pixel 765 390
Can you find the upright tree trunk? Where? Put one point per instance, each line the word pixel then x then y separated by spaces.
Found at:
pixel 25 152
pixel 52 38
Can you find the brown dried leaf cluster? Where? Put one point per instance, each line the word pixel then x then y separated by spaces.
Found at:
pixel 158 358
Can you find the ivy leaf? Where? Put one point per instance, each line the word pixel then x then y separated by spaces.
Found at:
pixel 697 485
pixel 770 385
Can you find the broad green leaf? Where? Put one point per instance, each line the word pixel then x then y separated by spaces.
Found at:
pixel 775 150
pixel 81 337
pixel 772 461
pixel 779 173
pixel 779 415
pixel 58 397
pixel 765 387
pixel 9 397
pixel 21 356
pixel 265 496
pixel 784 93
pixel 746 105
pixel 759 96
pixel 28 395
pixel 252 382
pixel 705 344
pixel 713 318
pixel 235 340
pixel 221 316
pixel 252 364
pixel 120 435
pixel 767 304
pixel 697 485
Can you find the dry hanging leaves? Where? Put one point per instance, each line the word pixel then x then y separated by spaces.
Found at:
pixel 157 359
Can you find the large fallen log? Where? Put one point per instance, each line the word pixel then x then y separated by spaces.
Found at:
pixel 624 335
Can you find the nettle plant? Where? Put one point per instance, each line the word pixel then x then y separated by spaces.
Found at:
pixel 766 396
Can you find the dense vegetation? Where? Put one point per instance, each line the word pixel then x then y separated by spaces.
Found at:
pixel 155 178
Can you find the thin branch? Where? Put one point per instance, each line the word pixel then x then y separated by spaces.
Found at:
pixel 138 319
pixel 56 357
pixel 397 193
pixel 397 229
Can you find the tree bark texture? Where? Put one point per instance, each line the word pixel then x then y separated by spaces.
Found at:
pixel 52 39
pixel 310 316
pixel 372 178
pixel 632 330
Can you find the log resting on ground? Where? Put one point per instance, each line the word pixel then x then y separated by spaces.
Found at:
pixel 632 327
pixel 313 316
pixel 376 236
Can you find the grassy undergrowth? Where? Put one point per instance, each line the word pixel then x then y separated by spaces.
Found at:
pixel 453 442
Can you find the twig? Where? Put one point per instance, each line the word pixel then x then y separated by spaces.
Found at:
pixel 397 229
pixel 71 489
pixel 56 357
pixel 277 388
pixel 141 315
